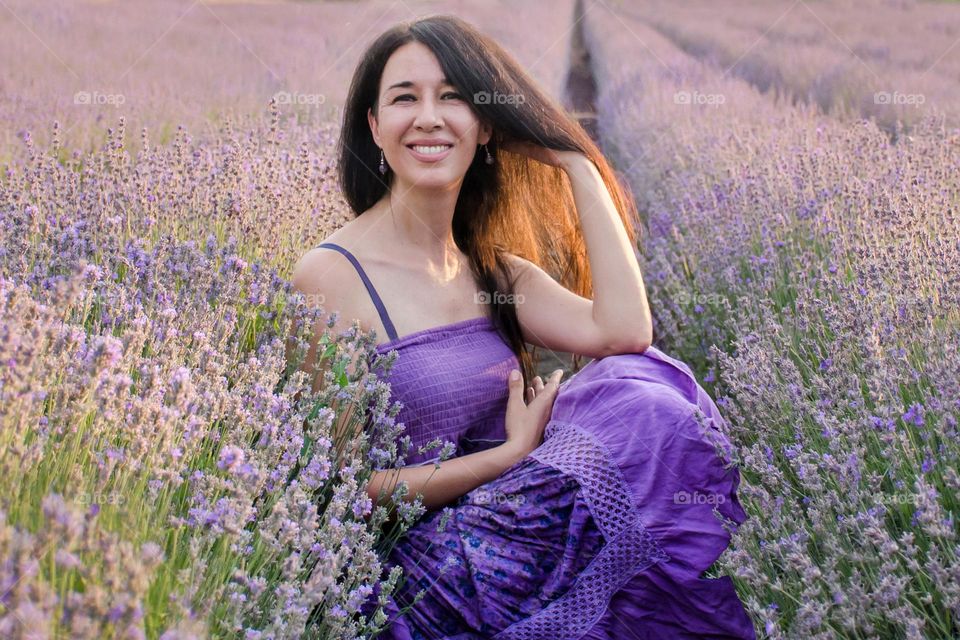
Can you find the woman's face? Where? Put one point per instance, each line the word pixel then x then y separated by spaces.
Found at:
pixel 421 114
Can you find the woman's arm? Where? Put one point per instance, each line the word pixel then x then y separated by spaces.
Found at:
pixel 619 297
pixel 618 319
pixel 444 482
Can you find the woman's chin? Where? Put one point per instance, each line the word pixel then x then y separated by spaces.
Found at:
pixel 431 179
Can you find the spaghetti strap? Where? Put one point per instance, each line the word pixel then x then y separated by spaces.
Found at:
pixel 382 310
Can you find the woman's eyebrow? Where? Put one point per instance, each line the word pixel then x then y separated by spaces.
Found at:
pixel 408 83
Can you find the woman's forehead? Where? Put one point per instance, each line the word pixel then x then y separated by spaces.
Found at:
pixel 413 64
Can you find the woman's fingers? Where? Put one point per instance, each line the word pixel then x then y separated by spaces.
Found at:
pixel 549 391
pixel 532 391
pixel 538 385
pixel 555 379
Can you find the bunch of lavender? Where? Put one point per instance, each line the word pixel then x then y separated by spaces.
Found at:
pixel 167 470
pixel 276 176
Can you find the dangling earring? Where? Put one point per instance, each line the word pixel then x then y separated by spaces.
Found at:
pixel 489 159
pixel 383 163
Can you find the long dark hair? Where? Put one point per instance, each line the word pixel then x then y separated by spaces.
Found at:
pixel 517 205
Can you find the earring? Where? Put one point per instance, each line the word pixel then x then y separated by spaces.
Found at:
pixel 383 163
pixel 489 159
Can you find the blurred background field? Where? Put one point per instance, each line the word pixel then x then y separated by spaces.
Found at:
pixel 168 63
pixel 165 163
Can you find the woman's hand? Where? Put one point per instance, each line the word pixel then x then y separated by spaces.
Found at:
pixel 525 422
pixel 552 157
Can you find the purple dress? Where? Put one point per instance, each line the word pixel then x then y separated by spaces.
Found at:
pixel 602 532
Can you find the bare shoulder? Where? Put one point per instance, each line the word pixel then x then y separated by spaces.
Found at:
pixel 326 276
pixel 324 268
pixel 329 278
pixel 318 270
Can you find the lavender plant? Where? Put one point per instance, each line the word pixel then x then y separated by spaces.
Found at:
pixel 167 469
pixel 804 266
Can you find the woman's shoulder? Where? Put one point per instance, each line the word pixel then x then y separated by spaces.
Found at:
pixel 316 255
pixel 327 273
pixel 321 268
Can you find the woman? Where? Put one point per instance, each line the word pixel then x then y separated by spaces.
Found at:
pixel 585 511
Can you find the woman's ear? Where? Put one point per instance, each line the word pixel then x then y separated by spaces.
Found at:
pixel 486 132
pixel 374 127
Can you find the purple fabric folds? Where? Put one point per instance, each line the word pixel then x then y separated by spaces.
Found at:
pixel 601 532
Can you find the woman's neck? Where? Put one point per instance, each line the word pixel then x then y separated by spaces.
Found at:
pixel 422 229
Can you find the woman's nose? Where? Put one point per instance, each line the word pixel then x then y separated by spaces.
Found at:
pixel 427 114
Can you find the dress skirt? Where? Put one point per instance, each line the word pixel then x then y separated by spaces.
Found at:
pixel 601 532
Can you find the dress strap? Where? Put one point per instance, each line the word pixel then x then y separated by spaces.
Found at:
pixel 382 310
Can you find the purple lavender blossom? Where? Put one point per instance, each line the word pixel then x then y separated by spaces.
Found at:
pixel 230 457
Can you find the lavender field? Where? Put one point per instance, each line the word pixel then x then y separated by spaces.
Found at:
pixel 165 472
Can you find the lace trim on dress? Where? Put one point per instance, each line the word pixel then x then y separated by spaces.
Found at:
pixel 629 546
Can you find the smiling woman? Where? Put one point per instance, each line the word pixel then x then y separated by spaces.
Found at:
pixel 587 509
pixel 423 101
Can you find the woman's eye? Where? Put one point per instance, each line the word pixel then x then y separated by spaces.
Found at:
pixel 449 93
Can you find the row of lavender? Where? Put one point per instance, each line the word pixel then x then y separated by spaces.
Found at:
pixel 887 61
pixel 165 472
pixel 806 268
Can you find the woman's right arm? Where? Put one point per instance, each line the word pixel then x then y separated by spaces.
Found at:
pixel 443 482
pixel 315 276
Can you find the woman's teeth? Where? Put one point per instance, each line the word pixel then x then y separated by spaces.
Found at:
pixel 430 150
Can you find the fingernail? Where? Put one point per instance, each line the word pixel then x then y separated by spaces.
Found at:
pixel 515 375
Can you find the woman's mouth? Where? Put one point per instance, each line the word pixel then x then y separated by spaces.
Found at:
pixel 430 153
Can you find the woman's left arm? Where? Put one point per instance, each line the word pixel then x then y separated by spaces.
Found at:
pixel 618 319
pixel 619 297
